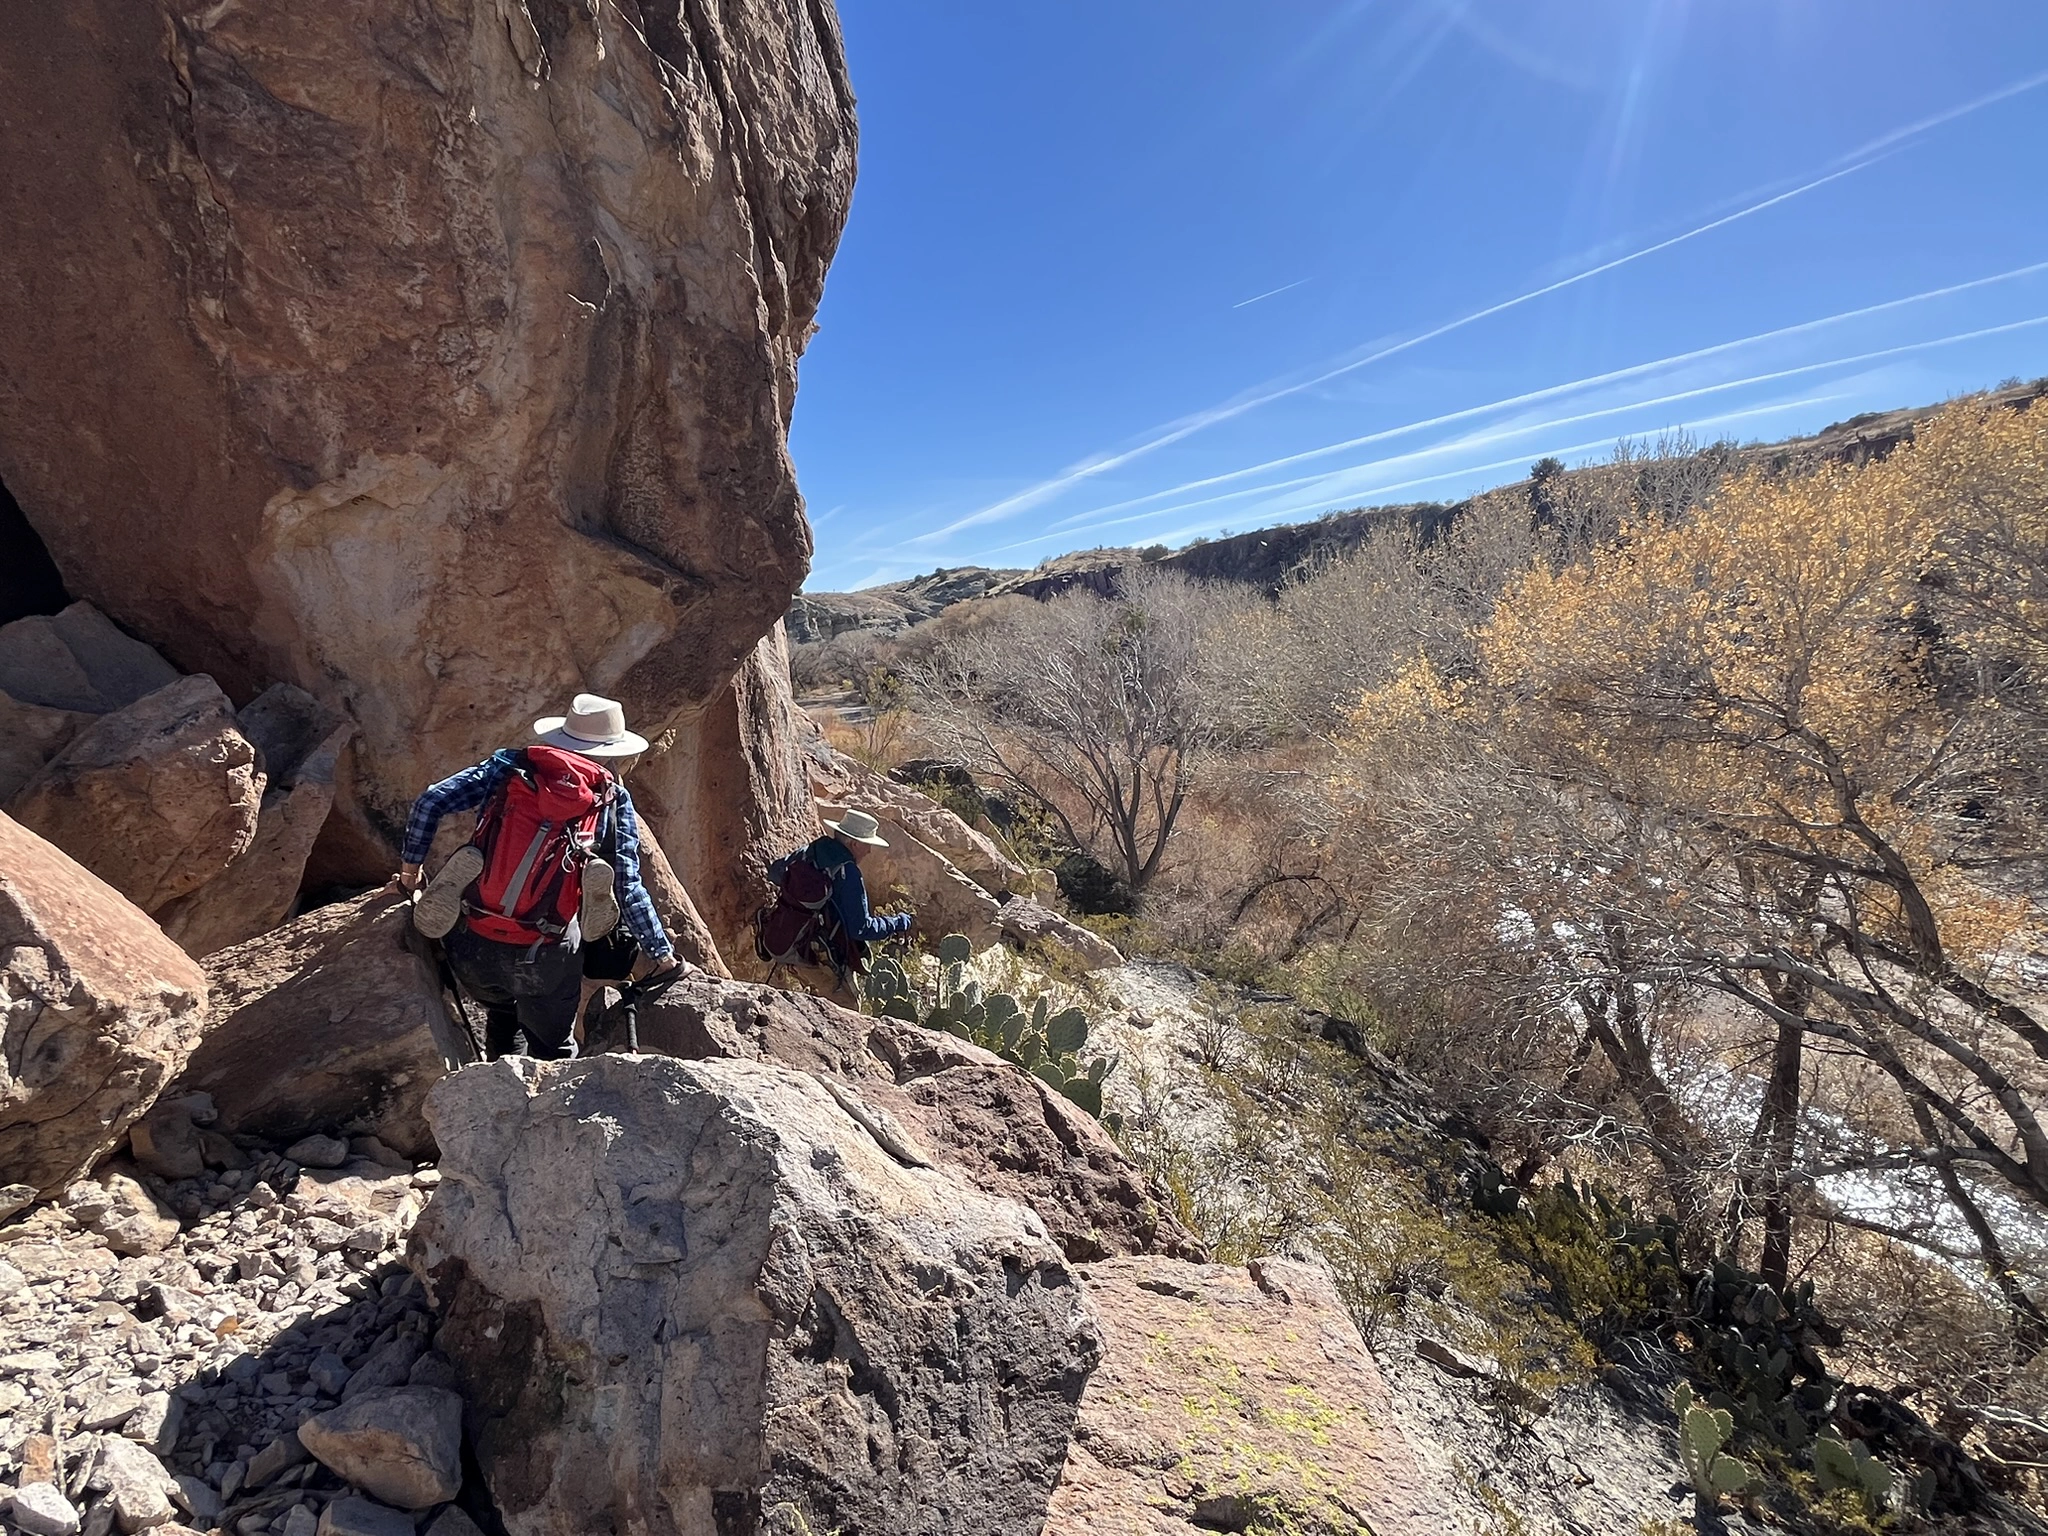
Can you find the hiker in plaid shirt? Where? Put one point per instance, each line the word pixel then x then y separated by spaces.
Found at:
pixel 556 862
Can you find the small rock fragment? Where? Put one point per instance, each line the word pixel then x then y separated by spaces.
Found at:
pixel 402 1445
pixel 386 1367
pixel 11 1279
pixel 285 1452
pixel 352 1516
pixel 329 1373
pixel 433 1369
pixel 300 1520
pixel 318 1152
pixel 41 1509
pixel 156 1422
pixel 453 1522
pixel 109 1410
pixel 137 1485
pixel 39 1460
pixel 15 1197
pixel 196 1497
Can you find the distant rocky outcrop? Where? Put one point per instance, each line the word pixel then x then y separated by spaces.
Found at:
pixel 754 1316
pixel 891 607
pixel 437 361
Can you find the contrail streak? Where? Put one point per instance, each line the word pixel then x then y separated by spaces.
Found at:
pixel 1519 460
pixel 1859 159
pixel 1634 370
pixel 1271 293
pixel 1774 376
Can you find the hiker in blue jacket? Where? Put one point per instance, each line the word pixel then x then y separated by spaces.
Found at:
pixel 839 856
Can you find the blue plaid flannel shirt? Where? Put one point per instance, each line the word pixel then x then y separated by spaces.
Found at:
pixel 467 790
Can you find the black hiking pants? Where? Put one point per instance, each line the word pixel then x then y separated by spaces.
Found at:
pixel 524 991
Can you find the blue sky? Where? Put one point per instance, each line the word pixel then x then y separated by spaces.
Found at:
pixel 1131 271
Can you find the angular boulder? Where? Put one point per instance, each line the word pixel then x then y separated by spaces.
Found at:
pixel 749 1306
pixel 1230 1400
pixel 1002 1130
pixel 30 735
pixel 298 742
pixel 837 779
pixel 100 1011
pixel 437 359
pixel 156 798
pixel 78 661
pixel 1027 923
pixel 334 1021
pixel 402 1445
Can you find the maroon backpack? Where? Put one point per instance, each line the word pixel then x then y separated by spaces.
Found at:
pixel 799 926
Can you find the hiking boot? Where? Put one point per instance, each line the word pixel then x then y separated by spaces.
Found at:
pixel 599 913
pixel 440 904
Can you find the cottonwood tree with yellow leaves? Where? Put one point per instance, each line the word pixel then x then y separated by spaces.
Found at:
pixel 1756 790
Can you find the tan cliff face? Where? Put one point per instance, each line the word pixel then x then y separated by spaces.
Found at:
pixel 437 358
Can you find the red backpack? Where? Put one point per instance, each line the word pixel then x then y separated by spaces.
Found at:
pixel 536 831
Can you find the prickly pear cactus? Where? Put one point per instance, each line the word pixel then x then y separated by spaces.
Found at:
pixel 1046 1044
pixel 1850 1465
pixel 1702 1432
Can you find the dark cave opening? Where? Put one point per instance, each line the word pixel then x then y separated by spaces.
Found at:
pixel 29 580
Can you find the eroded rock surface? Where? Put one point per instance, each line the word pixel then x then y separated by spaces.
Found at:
pixel 101 1010
pixel 437 359
pixel 298 742
pixel 334 1021
pixel 726 792
pixel 156 798
pixel 1234 1401
pixel 682 1296
pixel 1000 1128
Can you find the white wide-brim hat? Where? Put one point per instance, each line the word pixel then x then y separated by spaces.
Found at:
pixel 594 727
pixel 857 827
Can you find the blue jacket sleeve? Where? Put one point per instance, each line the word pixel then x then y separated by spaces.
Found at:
pixel 850 901
pixel 635 905
pixel 463 791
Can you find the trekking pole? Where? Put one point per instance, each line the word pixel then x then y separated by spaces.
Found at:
pixel 633 993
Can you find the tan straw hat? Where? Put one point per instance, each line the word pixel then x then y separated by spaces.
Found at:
pixel 594 727
pixel 857 827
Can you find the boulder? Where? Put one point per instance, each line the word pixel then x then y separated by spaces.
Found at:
pixel 299 742
pixel 40 1509
pixel 334 1020
pixel 998 1127
pixel 127 1216
pixel 101 1010
pixel 1233 1401
pixel 30 735
pixel 437 360
pixel 861 1345
pixel 839 780
pixel 137 1485
pixel 156 798
pixel 78 660
pixel 1026 923
pixel 402 1445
